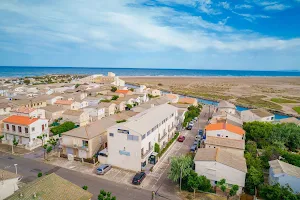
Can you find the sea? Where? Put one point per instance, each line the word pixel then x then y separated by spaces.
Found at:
pixel 17 71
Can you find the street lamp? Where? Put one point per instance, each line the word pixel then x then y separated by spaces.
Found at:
pixel 16 168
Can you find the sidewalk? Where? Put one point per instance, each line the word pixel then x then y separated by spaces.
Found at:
pixel 17 150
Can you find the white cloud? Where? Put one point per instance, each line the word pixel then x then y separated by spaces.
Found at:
pixel 277 7
pixel 225 5
pixel 251 17
pixel 206 7
pixel 115 26
pixel 243 6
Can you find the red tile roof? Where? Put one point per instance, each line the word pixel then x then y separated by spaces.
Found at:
pixel 225 126
pixel 63 102
pixel 122 91
pixel 21 120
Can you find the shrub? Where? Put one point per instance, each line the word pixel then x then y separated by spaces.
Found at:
pixel 63 128
pixel 105 100
pixel 85 187
pixel 121 121
pixel 115 97
pixel 40 174
pixel 168 144
pixel 113 88
pixel 156 148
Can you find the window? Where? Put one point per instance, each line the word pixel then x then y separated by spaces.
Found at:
pixel 85 143
pixel 111 134
pixel 43 127
pixel 7 126
pixel 26 130
pixel 133 137
pixel 144 136
pixel 13 127
pixel 20 129
pixel 33 129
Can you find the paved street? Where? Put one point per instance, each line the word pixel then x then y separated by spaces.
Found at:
pixel 157 180
pixel 29 169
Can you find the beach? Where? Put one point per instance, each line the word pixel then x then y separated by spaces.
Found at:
pixel 273 93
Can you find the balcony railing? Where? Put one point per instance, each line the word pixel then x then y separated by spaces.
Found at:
pixel 15 133
pixel 171 129
pixel 162 137
pixel 147 152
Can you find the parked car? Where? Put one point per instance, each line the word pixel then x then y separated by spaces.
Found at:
pixel 193 149
pixel 191 123
pixel 189 127
pixel 198 137
pixel 102 169
pixel 195 118
pixel 200 132
pixel 138 178
pixel 196 142
pixel 181 138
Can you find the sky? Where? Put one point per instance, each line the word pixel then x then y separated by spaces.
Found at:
pixel 194 34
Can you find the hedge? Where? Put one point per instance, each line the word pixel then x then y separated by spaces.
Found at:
pixel 168 144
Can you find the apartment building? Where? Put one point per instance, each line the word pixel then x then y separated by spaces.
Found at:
pixel 25 130
pixel 130 144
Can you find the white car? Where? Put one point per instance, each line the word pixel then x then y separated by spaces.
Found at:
pixel 191 123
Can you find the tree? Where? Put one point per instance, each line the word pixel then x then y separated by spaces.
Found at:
pixel 129 106
pixel 115 97
pixel 180 166
pixel 233 190
pixel 42 137
pixel 194 182
pixel 277 192
pixel 15 142
pixel 205 185
pixel 105 196
pixel 113 88
pixel 27 81
pixel 254 178
pixel 85 187
pixel 131 89
pixel 1 137
pixel 156 148
pixel 222 184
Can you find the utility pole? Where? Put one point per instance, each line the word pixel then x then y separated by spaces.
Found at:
pixel 16 168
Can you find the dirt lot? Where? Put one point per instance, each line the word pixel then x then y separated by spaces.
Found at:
pixel 246 91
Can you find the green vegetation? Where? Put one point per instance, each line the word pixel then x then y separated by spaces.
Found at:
pixel 27 81
pixel 277 192
pixel 66 126
pixel 131 89
pixel 294 98
pixel 113 88
pixel 85 187
pixel 151 96
pixel 105 196
pixel 297 109
pixel 257 101
pixel 129 106
pixel 121 121
pixel 40 174
pixel 15 141
pixel 192 112
pixel 105 100
pixel 190 92
pixel 180 165
pixel 115 97
pixel 1 137
pixel 156 148
pixel 280 100
pixel 77 85
pixel 168 144
pixel 272 141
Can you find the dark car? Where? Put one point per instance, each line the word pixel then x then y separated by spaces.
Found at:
pixel 138 178
pixel 189 127
pixel 181 138
pixel 200 132
pixel 193 149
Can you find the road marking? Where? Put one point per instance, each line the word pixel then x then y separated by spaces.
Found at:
pixel 121 180
pixel 71 167
pixel 116 174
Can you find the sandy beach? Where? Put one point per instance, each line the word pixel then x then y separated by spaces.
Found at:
pixel 274 93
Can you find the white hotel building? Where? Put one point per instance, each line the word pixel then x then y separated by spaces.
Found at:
pixel 131 143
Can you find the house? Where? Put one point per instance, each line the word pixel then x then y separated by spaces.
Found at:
pixel 190 101
pixel 86 141
pixel 29 112
pixel 217 164
pixel 5 108
pixel 8 183
pixel 110 108
pixel 93 101
pixel 95 112
pixel 257 115
pixel 120 105
pixel 140 89
pixel 53 112
pixel 153 92
pixel 173 98
pixel 225 106
pixel 52 99
pixel 233 146
pixel 68 104
pixel 79 117
pixel 30 103
pixel 51 187
pixel 131 143
pixel 124 92
pixel 284 174
pixel 25 130
pixel 225 130
pixel 225 117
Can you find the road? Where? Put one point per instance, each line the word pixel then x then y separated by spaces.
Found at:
pixel 29 169
pixel 163 186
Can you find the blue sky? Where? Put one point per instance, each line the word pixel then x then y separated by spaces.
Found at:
pixel 197 34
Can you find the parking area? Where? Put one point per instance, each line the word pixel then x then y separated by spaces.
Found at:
pixel 119 176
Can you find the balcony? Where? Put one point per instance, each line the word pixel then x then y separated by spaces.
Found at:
pixel 171 129
pixel 22 134
pixel 162 137
pixel 143 155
